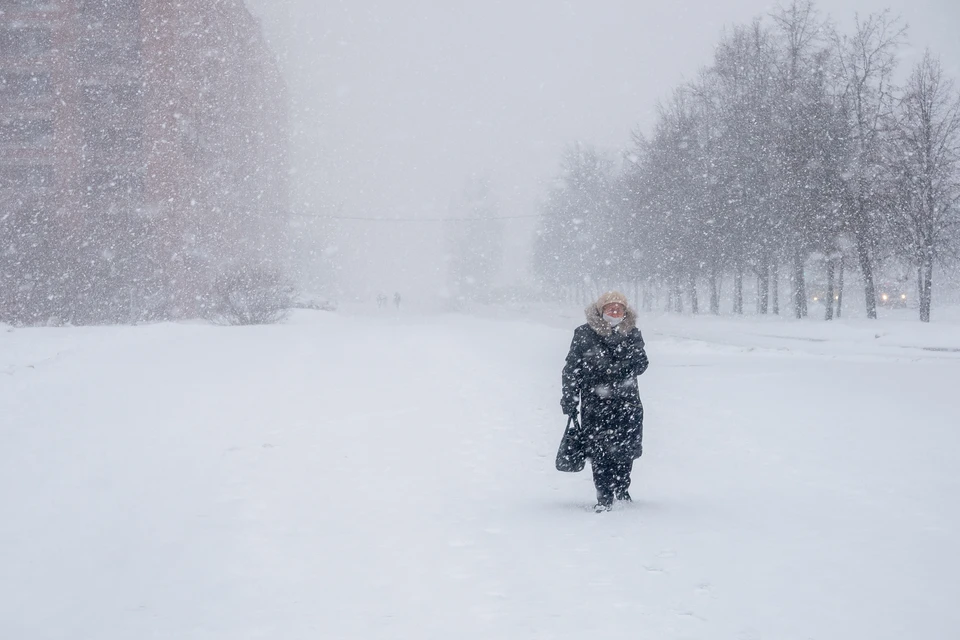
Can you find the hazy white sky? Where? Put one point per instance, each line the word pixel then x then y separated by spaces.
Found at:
pixel 396 103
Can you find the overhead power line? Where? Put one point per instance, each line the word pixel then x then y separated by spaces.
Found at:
pixel 370 219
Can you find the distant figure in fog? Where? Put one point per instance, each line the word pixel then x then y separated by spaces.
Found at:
pixel 600 379
pixel 396 300
pixel 381 300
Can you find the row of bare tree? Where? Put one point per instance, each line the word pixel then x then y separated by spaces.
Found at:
pixel 795 141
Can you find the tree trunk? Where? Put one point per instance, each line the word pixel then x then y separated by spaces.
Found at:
pixel 926 295
pixel 866 268
pixel 775 286
pixel 738 290
pixel 920 281
pixel 830 277
pixel 714 292
pixel 840 287
pixel 799 287
pixel 763 289
pixel 677 295
pixel 694 301
pixel 756 287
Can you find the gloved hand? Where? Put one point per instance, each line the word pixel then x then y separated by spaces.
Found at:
pixel 569 406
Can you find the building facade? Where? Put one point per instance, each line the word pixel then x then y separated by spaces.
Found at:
pixel 142 153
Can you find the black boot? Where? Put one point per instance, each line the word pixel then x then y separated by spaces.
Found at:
pixel 604 502
pixel 624 496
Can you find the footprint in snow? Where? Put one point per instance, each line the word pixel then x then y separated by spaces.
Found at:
pixel 689 614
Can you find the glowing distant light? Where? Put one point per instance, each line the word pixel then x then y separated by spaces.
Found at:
pixel 885 297
pixel 903 296
pixel 815 298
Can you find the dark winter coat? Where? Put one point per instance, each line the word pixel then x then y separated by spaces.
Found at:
pixel 601 371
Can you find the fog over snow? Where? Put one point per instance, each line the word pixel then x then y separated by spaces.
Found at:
pixel 396 104
pixel 218 426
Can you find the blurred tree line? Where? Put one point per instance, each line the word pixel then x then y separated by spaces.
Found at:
pixel 794 143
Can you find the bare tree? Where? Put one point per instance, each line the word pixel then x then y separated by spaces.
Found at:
pixel 926 163
pixel 746 152
pixel 475 241
pixel 584 238
pixel 248 294
pixel 803 138
pixel 866 62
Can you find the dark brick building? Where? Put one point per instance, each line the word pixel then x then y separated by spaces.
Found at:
pixel 142 153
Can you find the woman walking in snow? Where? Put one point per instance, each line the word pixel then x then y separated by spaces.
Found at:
pixel 600 378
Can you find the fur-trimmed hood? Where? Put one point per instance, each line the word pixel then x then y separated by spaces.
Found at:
pixel 596 322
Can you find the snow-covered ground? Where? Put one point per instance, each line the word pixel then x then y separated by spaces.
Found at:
pixel 391 476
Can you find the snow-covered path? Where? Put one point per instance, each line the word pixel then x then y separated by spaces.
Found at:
pixel 349 477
